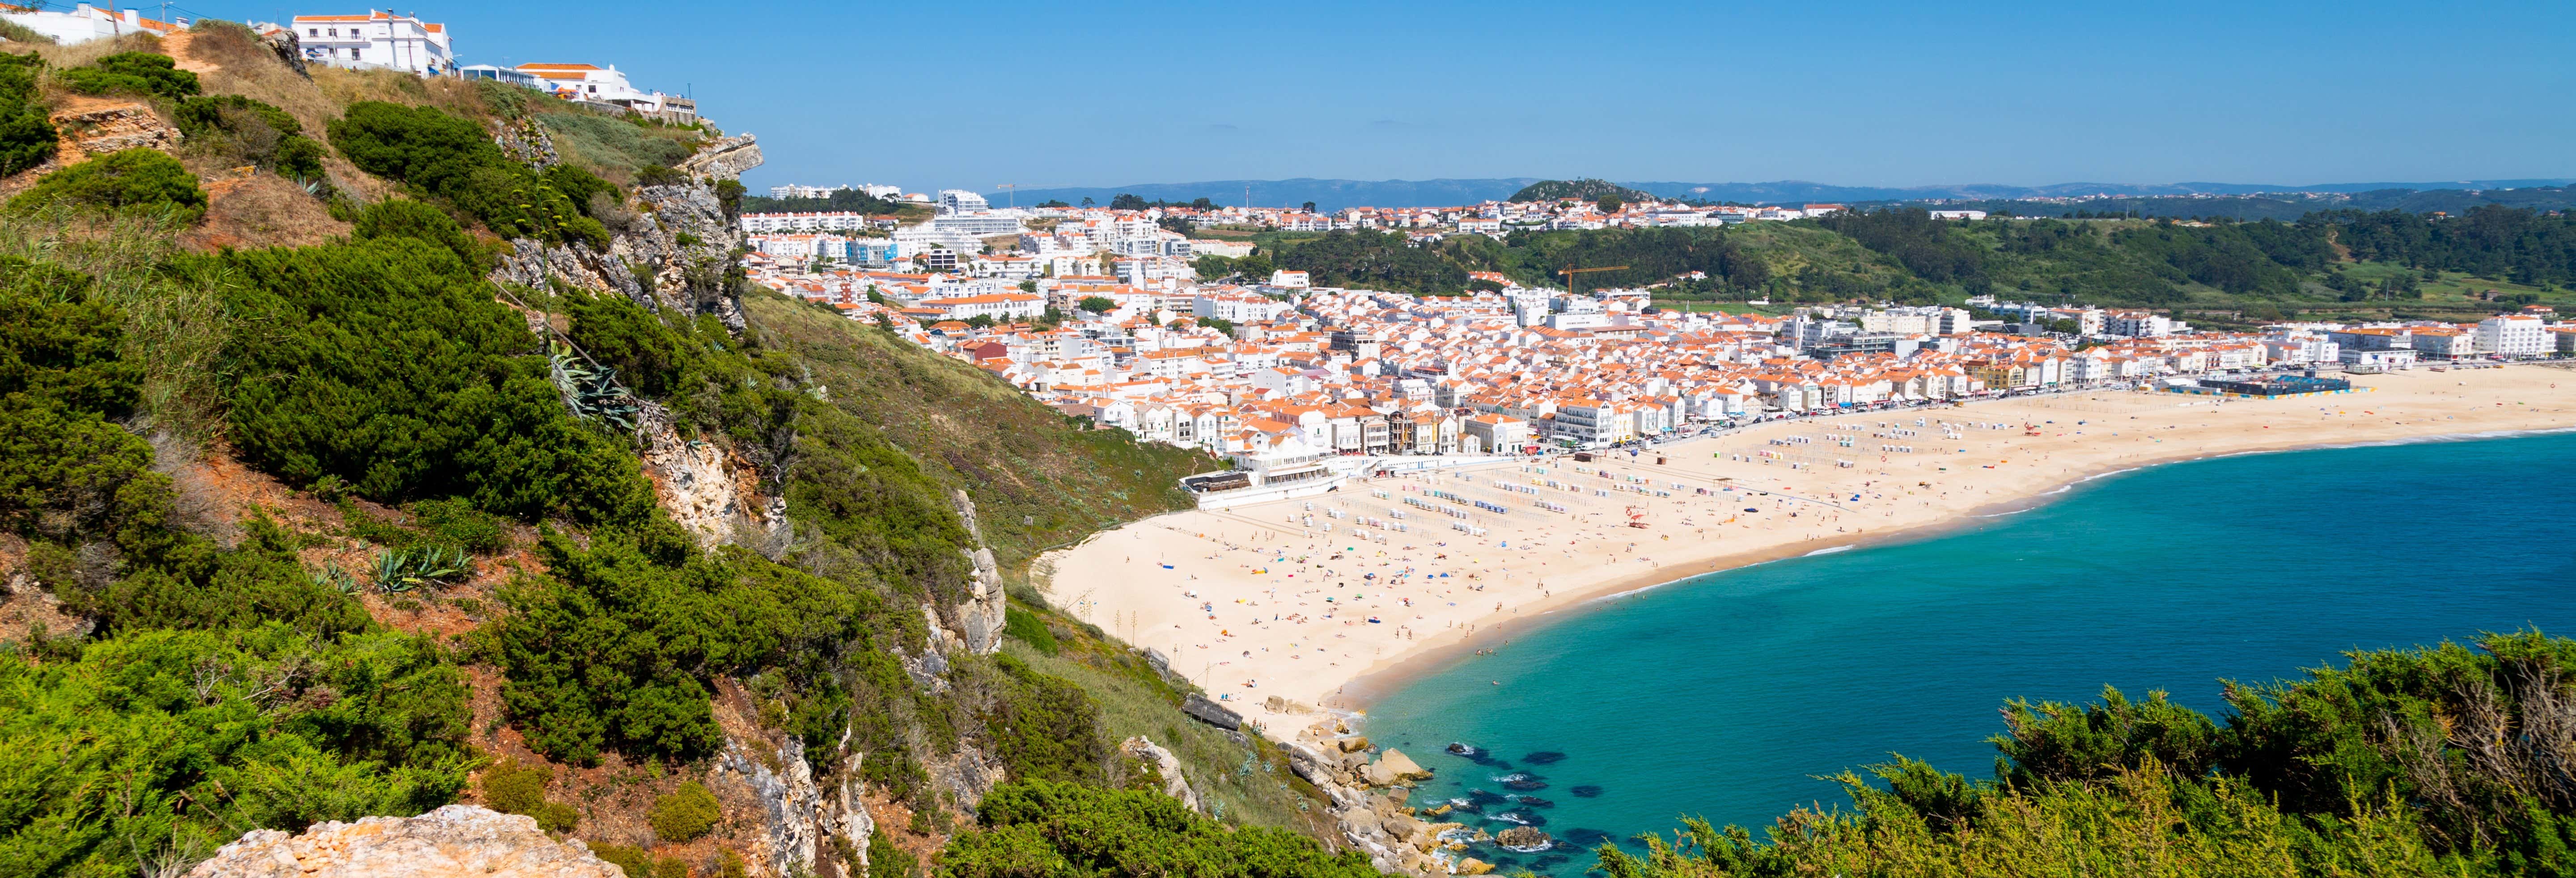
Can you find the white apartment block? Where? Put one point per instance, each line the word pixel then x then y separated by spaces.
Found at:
pixel 376 40
pixel 2513 335
pixel 962 201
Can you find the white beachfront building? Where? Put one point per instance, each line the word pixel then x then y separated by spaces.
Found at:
pixel 377 39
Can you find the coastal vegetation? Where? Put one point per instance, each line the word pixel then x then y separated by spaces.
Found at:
pixel 2437 760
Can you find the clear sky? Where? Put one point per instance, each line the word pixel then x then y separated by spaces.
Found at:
pixel 973 94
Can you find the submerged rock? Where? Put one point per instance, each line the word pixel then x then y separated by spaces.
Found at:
pixel 1544 757
pixel 1586 792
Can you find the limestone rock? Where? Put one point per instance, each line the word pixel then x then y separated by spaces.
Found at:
pixel 1200 708
pixel 1276 704
pixel 116 128
pixel 1524 838
pixel 1473 866
pixel 728 157
pixel 792 817
pixel 980 618
pixel 1394 768
pixel 1353 744
pixel 1174 784
pixel 457 841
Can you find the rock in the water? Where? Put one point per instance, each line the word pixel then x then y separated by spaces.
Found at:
pixel 1354 744
pixel 457 841
pixel 1473 866
pixel 1523 838
pixel 1201 709
pixel 1394 768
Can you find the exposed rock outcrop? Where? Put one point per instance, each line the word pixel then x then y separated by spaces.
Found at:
pixel 671 255
pixel 113 128
pixel 981 616
pixel 793 820
pixel 1395 768
pixel 1200 708
pixel 1165 764
pixel 702 488
pixel 726 158
pixel 457 841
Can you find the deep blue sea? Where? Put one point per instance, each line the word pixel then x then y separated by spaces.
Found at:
pixel 1724 696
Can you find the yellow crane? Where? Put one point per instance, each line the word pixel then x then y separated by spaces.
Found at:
pixel 1570 272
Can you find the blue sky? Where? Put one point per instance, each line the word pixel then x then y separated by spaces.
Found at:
pixel 931 95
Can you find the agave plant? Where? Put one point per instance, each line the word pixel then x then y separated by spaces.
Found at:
pixel 425 567
pixel 592 391
pixel 336 579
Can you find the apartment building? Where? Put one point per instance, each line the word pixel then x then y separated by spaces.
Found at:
pixel 377 40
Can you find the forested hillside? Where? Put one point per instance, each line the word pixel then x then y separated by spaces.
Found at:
pixel 2349 263
pixel 369 444
pixel 2444 760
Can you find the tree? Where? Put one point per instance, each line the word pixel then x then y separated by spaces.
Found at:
pixel 1127 201
pixel 980 321
pixel 1029 286
pixel 1310 207
pixel 1086 201
pixel 1097 304
pixel 1609 203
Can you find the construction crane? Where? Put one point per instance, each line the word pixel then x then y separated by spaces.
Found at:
pixel 1014 195
pixel 1570 272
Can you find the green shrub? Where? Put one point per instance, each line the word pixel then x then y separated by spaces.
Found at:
pixel 634 861
pixel 1044 727
pixel 251 131
pixel 456 522
pixel 454 159
pixel 513 788
pixel 211 114
pixel 399 218
pixel 386 362
pixel 300 158
pixel 112 757
pixel 657 175
pixel 138 178
pixel 685 814
pixel 27 137
pixel 617 647
pixel 1028 627
pixel 137 73
pixel 885 860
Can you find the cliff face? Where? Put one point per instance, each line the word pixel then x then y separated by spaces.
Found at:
pixel 671 251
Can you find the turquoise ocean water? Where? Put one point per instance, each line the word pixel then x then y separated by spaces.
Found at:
pixel 1721 696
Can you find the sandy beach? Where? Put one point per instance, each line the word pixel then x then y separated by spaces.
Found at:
pixel 1333 600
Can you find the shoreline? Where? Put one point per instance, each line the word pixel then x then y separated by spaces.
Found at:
pixel 1150 580
pixel 1386 677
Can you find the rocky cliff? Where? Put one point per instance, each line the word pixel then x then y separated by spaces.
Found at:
pixel 457 841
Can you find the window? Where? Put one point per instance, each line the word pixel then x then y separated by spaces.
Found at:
pixel 312 31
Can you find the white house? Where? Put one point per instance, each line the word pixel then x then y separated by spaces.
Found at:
pixel 377 39
pixel 85 23
pixel 608 85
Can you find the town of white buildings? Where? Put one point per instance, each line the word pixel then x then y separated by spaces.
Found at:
pixel 1277 375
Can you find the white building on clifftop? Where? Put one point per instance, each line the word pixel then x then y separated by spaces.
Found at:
pixel 376 40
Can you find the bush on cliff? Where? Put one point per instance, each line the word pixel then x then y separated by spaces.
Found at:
pixel 136 73
pixel 135 179
pixel 154 746
pixel 27 136
pixel 387 364
pixel 453 159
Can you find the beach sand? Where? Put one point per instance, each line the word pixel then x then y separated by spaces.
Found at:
pixel 1257 602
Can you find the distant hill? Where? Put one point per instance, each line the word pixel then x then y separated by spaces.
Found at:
pixel 1585 189
pixel 1329 194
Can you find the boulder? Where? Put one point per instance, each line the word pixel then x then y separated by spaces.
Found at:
pixel 1394 768
pixel 1200 708
pixel 1276 704
pixel 1523 838
pixel 1353 744
pixel 1473 866
pixel 457 841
